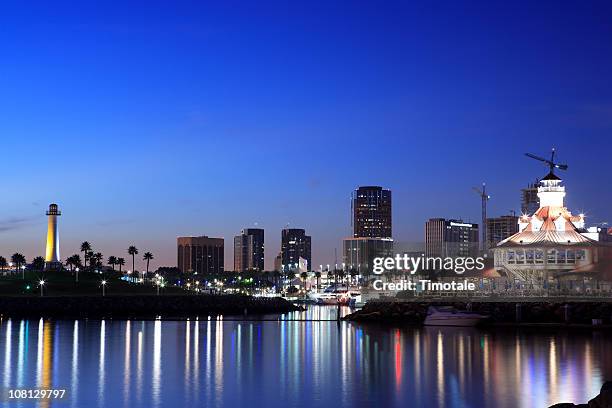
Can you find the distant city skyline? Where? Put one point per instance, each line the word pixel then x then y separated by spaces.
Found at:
pixel 182 120
pixel 269 263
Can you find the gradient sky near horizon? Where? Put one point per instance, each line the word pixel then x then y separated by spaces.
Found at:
pixel 148 120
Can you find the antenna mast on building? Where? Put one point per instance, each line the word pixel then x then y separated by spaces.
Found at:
pixel 484 198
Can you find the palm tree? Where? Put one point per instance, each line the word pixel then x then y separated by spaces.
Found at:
pixel 330 277
pixel 304 275
pixel 112 261
pixel 120 262
pixel 18 260
pixel 132 250
pixel 95 259
pixel 318 276
pixel 147 257
pixel 69 263
pixel 85 248
pixel 91 256
pixel 353 272
pixel 38 263
pixel 92 259
pixel 3 263
pixel 340 273
pixel 73 261
pixel 99 259
pixel 288 275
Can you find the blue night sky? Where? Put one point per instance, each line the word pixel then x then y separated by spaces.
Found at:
pixel 146 121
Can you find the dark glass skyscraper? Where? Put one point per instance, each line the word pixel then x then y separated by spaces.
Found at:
pixel 249 250
pixel 372 212
pixel 295 244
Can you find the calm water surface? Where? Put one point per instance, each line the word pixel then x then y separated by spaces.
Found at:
pixel 225 363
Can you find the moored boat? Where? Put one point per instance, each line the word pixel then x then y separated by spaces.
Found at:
pixel 324 298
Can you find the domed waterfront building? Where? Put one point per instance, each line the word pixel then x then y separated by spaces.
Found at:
pixel 553 243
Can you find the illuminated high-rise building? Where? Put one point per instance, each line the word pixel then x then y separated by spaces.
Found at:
pixel 295 244
pixel 249 250
pixel 359 253
pixel 371 212
pixel 450 238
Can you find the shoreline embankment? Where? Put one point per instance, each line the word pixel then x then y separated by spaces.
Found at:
pixel 542 313
pixel 141 306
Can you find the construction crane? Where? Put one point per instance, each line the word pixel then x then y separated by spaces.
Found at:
pixel 482 192
pixel 551 163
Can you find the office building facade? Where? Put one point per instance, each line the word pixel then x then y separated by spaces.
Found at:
pixel 295 244
pixel 249 250
pixel 278 262
pixel 371 212
pixel 450 238
pixel 200 254
pixel 359 253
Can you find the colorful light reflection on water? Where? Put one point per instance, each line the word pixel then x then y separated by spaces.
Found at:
pixel 285 363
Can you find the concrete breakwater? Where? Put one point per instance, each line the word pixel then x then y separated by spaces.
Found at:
pixel 140 306
pixel 561 313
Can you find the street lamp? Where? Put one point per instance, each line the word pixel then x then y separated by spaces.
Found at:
pixel 103 288
pixel 23 272
pixel 160 283
pixel 77 274
pixel 41 283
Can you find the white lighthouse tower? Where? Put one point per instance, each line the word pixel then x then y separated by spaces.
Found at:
pixel 550 192
pixel 52 254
